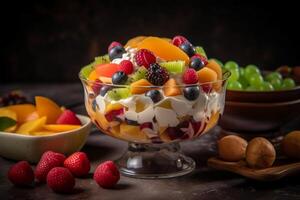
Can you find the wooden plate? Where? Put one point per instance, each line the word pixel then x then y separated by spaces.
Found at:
pixel 273 173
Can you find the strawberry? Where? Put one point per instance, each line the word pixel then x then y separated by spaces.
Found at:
pixel 126 66
pixel 48 161
pixel 144 57
pixel 190 76
pixel 60 180
pixel 78 163
pixel 202 58
pixel 113 44
pixel 68 117
pixel 97 86
pixel 112 115
pixel 107 174
pixel 178 40
pixel 21 174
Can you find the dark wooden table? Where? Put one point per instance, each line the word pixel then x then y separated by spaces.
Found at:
pixel 203 183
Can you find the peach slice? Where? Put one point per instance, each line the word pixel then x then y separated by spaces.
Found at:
pixel 47 107
pixel 23 111
pixel 5 112
pixel 93 76
pixel 131 133
pixel 207 75
pixel 60 127
pixel 133 42
pixel 32 126
pixel 212 64
pixel 32 116
pixel 163 49
pixel 141 86
pixel 104 79
pixel 106 70
pixel 212 121
pixel 171 88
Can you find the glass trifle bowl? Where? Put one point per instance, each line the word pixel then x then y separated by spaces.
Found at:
pixel 153 119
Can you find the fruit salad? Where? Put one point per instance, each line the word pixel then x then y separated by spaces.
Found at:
pixel 43 118
pixel 154 90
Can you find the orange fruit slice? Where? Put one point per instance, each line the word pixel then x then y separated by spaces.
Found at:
pixel 141 86
pixel 47 107
pixel 217 68
pixel 60 127
pixel 171 88
pixel 163 49
pixel 106 70
pixel 133 42
pixel 22 111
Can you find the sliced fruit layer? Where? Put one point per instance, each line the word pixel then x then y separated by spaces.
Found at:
pixel 114 106
pixel 60 127
pixel 133 42
pixel 175 67
pixel 47 107
pixel 163 49
pixel 171 88
pixel 141 86
pixel 106 70
pixel 22 111
pixel 131 133
pixel 32 126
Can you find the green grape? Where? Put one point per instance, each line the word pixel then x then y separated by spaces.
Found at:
pixel 234 85
pixel 288 83
pixel 256 80
pixel 242 71
pixel 243 81
pixel 250 70
pixel 276 83
pixel 231 65
pixel 251 88
pixel 200 50
pixel 266 86
pixel 218 61
pixel 273 75
pixel 234 75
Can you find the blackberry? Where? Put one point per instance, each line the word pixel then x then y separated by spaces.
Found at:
pixel 157 75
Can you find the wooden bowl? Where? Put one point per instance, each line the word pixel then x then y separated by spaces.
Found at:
pixel 254 117
pixel 265 97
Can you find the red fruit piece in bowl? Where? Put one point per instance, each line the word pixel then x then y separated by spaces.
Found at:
pixel 68 117
pixel 78 164
pixel 144 57
pixel 190 76
pixel 97 86
pixel 21 174
pixel 113 44
pixel 48 161
pixel 106 70
pixel 112 115
pixel 178 40
pixel 107 174
pixel 202 58
pixel 60 180
pixel 126 66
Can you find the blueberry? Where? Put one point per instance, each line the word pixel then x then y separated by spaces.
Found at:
pixel 191 93
pixel 197 64
pixel 188 48
pixel 119 78
pixel 155 95
pixel 116 52
pixel 104 90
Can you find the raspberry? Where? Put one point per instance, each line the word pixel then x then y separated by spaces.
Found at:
pixel 48 161
pixel 126 66
pixel 21 174
pixel 178 40
pixel 113 44
pixel 107 174
pixel 202 58
pixel 157 75
pixel 68 117
pixel 144 57
pixel 190 76
pixel 78 163
pixel 60 180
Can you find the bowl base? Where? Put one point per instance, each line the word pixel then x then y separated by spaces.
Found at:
pixel 151 161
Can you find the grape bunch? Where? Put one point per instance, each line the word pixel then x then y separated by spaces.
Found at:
pixel 250 78
pixel 12 98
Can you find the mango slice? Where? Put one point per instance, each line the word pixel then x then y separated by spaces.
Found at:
pixel 32 126
pixel 133 42
pixel 163 49
pixel 171 88
pixel 47 107
pixel 22 111
pixel 60 127
pixel 141 86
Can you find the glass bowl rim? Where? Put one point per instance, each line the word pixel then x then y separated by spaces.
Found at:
pixel 225 76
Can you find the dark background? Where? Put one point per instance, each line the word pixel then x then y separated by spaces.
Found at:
pixel 50 42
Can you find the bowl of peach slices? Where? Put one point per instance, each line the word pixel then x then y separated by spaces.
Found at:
pixel 28 130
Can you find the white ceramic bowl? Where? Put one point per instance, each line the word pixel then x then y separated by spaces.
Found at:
pixel 30 148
